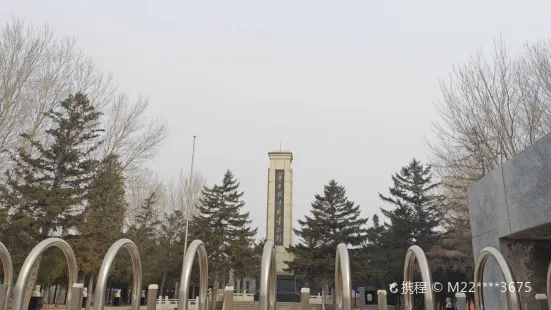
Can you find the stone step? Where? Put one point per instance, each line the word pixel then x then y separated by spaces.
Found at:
pixel 249 305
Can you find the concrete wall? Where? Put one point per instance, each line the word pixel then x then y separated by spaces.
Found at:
pixel 510 209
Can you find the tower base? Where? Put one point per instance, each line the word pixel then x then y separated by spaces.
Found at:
pixel 288 289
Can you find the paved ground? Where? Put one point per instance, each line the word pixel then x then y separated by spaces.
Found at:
pixel 61 307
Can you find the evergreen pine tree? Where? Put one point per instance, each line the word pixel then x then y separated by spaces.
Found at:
pixel 223 228
pixel 103 219
pixel 45 191
pixel 47 186
pixel 368 256
pixel 170 258
pixel 257 258
pixel 413 220
pixel 146 222
pixel 375 232
pixel 416 213
pixel 144 234
pixel 242 262
pixel 334 220
pixel 383 255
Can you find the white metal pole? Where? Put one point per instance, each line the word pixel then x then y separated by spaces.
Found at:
pixel 189 196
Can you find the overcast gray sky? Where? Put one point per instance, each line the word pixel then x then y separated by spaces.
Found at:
pixel 347 86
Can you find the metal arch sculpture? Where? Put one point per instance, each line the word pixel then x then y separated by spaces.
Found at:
pixel 413 253
pixel 549 286
pixel 99 296
pixel 268 278
pixel 198 247
pixel 7 265
pixel 23 278
pixel 343 286
pixel 513 301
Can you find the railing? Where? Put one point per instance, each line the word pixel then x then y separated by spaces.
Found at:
pixel 315 299
pixel 343 288
pixel 7 286
pixel 99 301
pixel 513 300
pixel 75 290
pixel 23 278
pixel 268 277
pixel 74 293
pixel 268 280
pixel 413 253
pixel 318 299
pixel 243 296
pixel 171 304
pixel 196 247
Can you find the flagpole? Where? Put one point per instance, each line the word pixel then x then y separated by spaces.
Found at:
pixel 189 196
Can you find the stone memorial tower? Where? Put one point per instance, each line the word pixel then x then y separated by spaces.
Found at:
pixel 279 226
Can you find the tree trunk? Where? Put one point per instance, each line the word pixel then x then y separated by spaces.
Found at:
pixel 90 290
pixel 55 295
pixel 108 293
pixel 31 282
pixel 241 286
pixel 124 293
pixel 333 295
pixel 214 295
pixel 66 293
pixel 162 287
pixel 46 296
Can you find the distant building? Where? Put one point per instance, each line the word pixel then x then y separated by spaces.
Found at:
pixel 248 285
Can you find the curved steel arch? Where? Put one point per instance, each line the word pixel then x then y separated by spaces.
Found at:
pixel 343 286
pixel 99 294
pixel 268 277
pixel 549 285
pixel 23 278
pixel 198 247
pixel 7 265
pixel 513 301
pixel 414 252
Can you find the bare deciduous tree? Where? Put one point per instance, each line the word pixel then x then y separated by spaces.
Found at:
pixel 140 184
pixel 184 195
pixel 129 134
pixel 492 108
pixel 38 71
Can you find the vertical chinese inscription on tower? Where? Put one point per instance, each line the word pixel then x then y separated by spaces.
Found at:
pixel 279 201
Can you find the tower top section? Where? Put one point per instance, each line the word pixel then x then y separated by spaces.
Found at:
pixel 281 154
